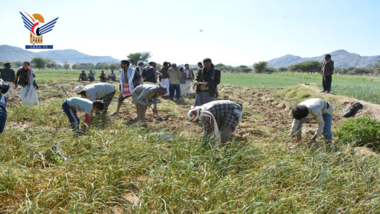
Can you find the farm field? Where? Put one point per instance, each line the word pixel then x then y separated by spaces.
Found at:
pixel 121 167
pixel 360 87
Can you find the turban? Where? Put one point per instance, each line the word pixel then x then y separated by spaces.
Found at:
pixel 198 112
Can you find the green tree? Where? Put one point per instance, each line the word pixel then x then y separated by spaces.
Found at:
pixel 106 66
pixel 143 56
pixel 243 69
pixel 376 68
pixel 51 64
pixel 39 62
pixel 282 69
pixel 270 69
pixel 66 65
pixel 308 66
pixel 260 67
pixel 114 66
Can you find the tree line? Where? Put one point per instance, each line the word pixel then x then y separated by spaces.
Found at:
pixel 259 67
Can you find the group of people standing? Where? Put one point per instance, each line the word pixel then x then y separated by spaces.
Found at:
pixel 220 117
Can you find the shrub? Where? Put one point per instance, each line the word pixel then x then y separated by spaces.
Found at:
pixel 362 131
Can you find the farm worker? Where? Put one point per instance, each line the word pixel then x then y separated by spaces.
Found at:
pixel 74 104
pixel 189 80
pixel 208 78
pixel 103 77
pixel 164 76
pixel 97 91
pixel 4 87
pixel 112 76
pixel 8 76
pixel 144 96
pixel 219 117
pixel 327 72
pixel 149 74
pixel 318 109
pixel 139 69
pixel 91 76
pixel 174 79
pixel 82 76
pixel 25 77
pixel 129 80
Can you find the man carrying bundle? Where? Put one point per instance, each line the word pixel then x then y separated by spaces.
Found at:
pixel 129 80
pixel 223 115
pixel 25 77
pixel 144 96
pixel 208 79
pixel 74 104
pixel 97 91
pixel 318 109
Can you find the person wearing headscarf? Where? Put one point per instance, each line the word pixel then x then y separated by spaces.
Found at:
pixel 189 80
pixel 8 75
pixel 219 118
pixel 128 76
pixel 164 76
pixel 146 95
pixel 208 79
pixel 25 77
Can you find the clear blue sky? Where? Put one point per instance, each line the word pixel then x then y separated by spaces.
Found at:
pixel 234 32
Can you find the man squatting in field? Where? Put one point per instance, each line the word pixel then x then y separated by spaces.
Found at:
pixel 144 96
pixel 4 87
pixel 74 104
pixel 318 109
pixel 97 91
pixel 128 76
pixel 223 115
pixel 82 76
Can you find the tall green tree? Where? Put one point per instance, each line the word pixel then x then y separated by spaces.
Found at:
pixel 39 62
pixel 260 67
pixel 143 56
pixel 66 65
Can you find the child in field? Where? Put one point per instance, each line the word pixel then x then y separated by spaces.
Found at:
pixel 74 104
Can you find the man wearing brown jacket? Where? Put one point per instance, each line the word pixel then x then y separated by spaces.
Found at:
pixel 327 72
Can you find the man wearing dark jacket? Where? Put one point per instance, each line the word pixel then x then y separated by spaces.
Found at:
pixel 8 75
pixel 149 73
pixel 327 72
pixel 208 78
pixel 4 87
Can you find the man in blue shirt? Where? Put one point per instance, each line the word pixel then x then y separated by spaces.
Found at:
pixel 4 87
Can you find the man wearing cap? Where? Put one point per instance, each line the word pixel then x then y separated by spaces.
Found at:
pixel 208 79
pixel 74 104
pixel 82 76
pixel 8 75
pixel 144 96
pixel 139 69
pixel 223 115
pixel 164 76
pixel 128 76
pixel 112 76
pixel 97 91
pixel 91 76
pixel 149 74
pixel 4 87
pixel 174 79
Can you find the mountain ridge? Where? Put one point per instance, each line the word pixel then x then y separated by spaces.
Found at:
pixel 341 58
pixel 71 56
